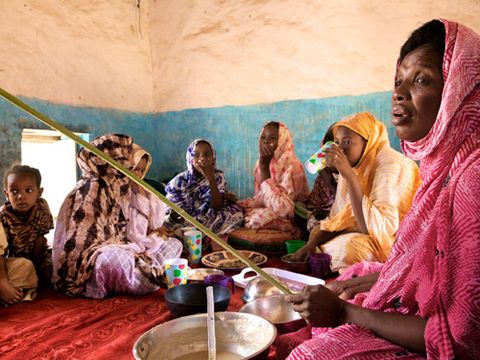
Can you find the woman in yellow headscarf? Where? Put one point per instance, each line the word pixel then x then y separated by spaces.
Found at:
pixel 375 189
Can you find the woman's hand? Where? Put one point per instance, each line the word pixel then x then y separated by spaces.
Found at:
pixel 206 168
pixel 342 290
pixel 311 245
pixel 347 289
pixel 318 306
pixel 266 151
pixel 304 252
pixel 9 295
pixel 335 157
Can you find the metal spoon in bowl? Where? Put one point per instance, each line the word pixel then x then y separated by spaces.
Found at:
pixel 212 350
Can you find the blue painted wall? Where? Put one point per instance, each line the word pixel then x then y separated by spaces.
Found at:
pixel 233 130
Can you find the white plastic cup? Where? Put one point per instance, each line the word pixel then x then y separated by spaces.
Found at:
pixel 176 271
pixel 317 162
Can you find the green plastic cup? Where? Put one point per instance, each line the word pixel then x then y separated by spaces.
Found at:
pixel 294 245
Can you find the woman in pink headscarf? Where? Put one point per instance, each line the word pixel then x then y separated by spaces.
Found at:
pixel 279 181
pixel 425 300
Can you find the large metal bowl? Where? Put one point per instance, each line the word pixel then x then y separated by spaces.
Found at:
pixel 247 335
pixel 276 310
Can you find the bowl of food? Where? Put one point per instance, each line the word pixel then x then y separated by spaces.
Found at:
pixel 199 274
pixel 298 266
pixel 191 299
pixel 276 310
pixel 238 336
pixel 225 260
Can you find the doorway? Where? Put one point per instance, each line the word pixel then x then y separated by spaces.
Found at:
pixel 54 155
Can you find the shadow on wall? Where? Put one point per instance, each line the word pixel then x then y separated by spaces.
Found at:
pixel 233 130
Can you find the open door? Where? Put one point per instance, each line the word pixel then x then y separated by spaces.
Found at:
pixel 55 156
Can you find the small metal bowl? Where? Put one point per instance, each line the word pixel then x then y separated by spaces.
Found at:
pixel 276 310
pixel 259 287
pixel 302 267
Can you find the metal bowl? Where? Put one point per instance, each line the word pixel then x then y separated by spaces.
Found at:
pixel 247 335
pixel 259 287
pixel 276 310
pixel 302 267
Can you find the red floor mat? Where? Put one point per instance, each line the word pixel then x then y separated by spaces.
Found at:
pixel 57 327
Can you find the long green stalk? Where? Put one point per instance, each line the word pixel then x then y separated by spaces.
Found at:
pixel 54 125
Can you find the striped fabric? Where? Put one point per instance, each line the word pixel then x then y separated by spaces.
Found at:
pixel 434 268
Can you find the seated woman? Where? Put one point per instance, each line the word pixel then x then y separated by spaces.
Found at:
pixel 279 181
pixel 320 200
pixel 375 189
pixel 425 299
pixel 202 192
pixel 108 234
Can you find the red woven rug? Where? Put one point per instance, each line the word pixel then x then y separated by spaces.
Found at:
pixel 55 326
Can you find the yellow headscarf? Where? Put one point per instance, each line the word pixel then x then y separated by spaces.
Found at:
pixel 375 132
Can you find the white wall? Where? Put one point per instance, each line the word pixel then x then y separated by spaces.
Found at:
pixel 87 52
pixel 218 52
pixel 161 55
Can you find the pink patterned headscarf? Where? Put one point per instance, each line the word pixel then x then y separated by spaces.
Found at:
pixel 434 266
pixel 456 131
pixel 285 163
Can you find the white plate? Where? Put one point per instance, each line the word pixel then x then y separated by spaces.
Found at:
pixel 294 280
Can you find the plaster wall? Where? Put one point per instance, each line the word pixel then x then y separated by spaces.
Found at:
pixel 238 52
pixel 91 53
pixel 162 55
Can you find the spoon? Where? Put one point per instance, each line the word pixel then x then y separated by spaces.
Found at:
pixel 212 351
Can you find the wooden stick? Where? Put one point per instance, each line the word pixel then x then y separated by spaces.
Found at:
pixel 60 128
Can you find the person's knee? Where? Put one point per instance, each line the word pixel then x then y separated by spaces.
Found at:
pixel 21 273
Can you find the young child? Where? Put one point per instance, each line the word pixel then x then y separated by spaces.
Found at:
pixel 202 192
pixel 25 219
